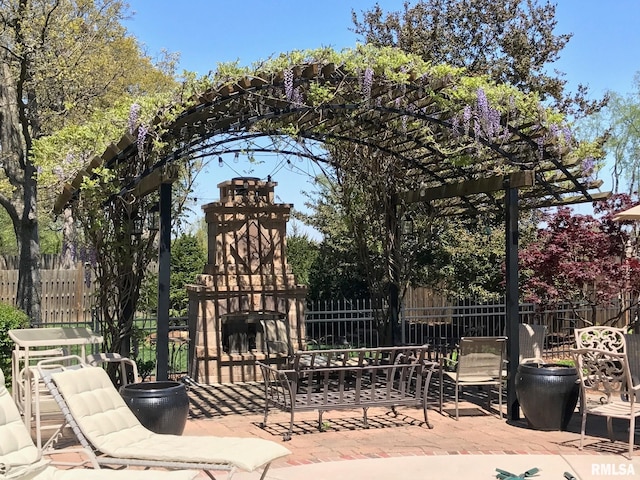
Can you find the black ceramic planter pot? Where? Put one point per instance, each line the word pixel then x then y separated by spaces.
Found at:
pixel 547 394
pixel 162 407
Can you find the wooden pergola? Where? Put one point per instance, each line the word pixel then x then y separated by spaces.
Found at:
pixel 419 121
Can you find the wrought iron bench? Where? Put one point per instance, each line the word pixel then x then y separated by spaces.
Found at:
pixel 349 378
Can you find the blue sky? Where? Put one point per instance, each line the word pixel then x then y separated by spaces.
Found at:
pixel 604 52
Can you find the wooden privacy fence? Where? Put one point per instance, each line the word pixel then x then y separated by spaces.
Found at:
pixel 66 297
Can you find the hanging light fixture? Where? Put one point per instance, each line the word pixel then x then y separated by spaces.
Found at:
pixel 153 218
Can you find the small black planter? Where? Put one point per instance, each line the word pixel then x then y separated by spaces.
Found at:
pixel 547 394
pixel 162 407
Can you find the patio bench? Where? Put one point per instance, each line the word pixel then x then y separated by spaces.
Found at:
pixel 348 378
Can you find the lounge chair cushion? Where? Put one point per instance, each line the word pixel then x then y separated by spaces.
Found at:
pixel 16 446
pixel 52 473
pixel 19 457
pixel 111 427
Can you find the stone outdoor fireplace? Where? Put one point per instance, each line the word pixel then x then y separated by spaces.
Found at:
pixel 246 306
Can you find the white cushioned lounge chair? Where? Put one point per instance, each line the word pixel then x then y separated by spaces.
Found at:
pixel 111 434
pixel 20 459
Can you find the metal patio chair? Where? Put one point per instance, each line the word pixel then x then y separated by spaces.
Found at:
pixel 479 363
pixel 611 339
pixel 531 342
pixel 607 389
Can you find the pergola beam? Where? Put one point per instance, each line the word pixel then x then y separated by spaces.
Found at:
pixel 152 182
pixel 471 187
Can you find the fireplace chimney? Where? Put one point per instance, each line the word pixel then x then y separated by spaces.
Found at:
pixel 246 306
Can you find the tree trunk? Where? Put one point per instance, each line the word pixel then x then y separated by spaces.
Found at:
pixel 15 142
pixel 29 295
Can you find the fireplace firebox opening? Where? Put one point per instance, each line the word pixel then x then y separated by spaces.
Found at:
pixel 255 332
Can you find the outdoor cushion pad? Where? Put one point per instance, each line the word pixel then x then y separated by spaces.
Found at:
pixel 92 474
pixel 16 446
pixel 111 427
pixel 19 458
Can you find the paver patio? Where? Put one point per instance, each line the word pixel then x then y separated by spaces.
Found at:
pixel 237 410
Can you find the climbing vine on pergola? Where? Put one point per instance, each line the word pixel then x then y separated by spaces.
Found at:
pixel 442 127
pixel 445 132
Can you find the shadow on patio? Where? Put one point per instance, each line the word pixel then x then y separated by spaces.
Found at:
pixel 237 410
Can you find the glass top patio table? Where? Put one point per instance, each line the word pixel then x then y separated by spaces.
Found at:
pixel 31 338
pixel 53 337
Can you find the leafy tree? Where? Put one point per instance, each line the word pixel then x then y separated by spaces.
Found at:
pixel 463 259
pixel 336 271
pixel 509 40
pixel 60 61
pixel 582 260
pixel 187 260
pixel 619 124
pixel 302 252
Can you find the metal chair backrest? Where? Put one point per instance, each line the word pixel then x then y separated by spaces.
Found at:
pixel 603 373
pixel 481 356
pixel 611 339
pixel 531 342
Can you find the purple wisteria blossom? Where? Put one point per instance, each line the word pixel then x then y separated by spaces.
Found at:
pixel 134 117
pixel 588 166
pixel 288 84
pixel 481 119
pixel 367 83
pixel 58 171
pixel 466 119
pixel 487 118
pixel 143 130
pixel 455 126
pixel 540 142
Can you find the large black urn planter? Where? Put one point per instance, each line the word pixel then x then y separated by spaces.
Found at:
pixel 162 407
pixel 547 394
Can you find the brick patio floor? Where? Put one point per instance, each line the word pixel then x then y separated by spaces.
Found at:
pixel 236 410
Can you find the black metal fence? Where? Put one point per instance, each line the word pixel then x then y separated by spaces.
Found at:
pixel 352 323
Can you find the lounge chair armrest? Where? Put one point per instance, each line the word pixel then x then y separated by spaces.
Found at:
pixel 109 357
pixel 60 363
pixel 10 472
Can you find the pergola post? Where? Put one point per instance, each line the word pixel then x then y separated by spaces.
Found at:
pixel 164 278
pixel 512 301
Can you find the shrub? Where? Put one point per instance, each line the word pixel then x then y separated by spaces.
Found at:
pixel 10 318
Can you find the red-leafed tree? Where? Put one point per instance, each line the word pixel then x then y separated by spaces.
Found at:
pixel 583 260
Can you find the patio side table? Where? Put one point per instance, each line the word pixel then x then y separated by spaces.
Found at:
pixel 27 340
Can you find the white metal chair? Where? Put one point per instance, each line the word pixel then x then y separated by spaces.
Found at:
pixel 607 389
pixel 611 339
pixel 126 364
pixel 479 363
pixel 35 404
